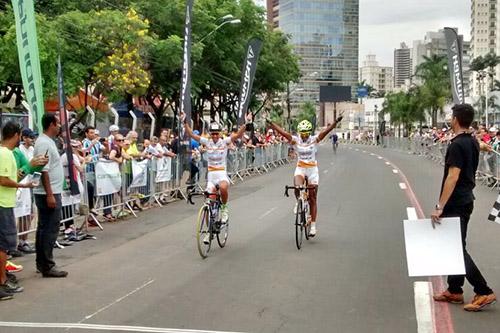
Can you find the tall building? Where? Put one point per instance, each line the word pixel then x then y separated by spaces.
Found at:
pixel 379 77
pixel 273 9
pixel 325 36
pixel 434 43
pixel 402 66
pixel 484 34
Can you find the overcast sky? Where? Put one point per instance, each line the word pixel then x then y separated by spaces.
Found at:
pixel 384 24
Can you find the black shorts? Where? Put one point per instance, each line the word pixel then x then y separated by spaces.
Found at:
pixel 8 230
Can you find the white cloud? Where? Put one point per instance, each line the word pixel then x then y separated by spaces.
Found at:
pixel 384 24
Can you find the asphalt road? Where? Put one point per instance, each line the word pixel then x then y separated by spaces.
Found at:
pixel 352 277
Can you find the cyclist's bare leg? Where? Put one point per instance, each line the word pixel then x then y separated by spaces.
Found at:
pixel 298 181
pixel 224 191
pixel 313 202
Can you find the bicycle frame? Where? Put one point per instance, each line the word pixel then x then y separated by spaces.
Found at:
pixel 301 222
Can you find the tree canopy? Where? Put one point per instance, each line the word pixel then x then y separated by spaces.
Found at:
pixel 123 48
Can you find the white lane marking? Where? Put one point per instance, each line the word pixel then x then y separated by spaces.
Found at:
pixel 423 307
pixel 115 328
pixel 402 186
pixel 267 213
pixel 395 171
pixel 326 171
pixel 356 149
pixel 117 301
pixel 372 154
pixel 364 152
pixel 412 213
pixel 387 163
pixel 380 157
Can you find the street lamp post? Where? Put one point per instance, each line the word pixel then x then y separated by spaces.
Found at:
pixel 233 21
pixel 375 124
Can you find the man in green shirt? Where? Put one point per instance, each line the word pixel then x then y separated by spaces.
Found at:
pixel 27 167
pixel 11 134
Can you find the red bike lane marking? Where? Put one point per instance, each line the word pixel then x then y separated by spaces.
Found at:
pixel 440 310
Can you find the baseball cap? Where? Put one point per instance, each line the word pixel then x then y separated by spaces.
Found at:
pixel 114 128
pixel 196 132
pixel 493 129
pixel 28 132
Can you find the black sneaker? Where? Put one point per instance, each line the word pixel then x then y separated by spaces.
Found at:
pixel 54 273
pixel 26 248
pixel 11 277
pixel 12 288
pixel 5 295
pixel 16 253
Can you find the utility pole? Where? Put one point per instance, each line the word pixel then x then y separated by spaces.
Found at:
pixel 289 120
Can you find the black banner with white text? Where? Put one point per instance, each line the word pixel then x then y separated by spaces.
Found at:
pixel 185 103
pixel 63 116
pixel 454 46
pixel 248 75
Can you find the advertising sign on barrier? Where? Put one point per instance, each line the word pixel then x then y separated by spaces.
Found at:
pixel 68 200
pixel 108 178
pixel 163 170
pixel 23 203
pixel 139 173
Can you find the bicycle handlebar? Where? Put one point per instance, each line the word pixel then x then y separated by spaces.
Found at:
pixel 192 194
pixel 300 188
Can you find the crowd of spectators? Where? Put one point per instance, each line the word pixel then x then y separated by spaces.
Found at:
pixel 35 153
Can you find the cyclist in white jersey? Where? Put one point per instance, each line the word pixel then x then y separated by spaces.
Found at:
pixel 306 146
pixel 216 152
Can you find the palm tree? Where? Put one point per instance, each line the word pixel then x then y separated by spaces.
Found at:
pixel 436 88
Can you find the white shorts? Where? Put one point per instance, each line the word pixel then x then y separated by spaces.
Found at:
pixel 312 174
pixel 214 178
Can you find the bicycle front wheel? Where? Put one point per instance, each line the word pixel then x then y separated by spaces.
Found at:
pixel 298 225
pixel 305 223
pixel 203 232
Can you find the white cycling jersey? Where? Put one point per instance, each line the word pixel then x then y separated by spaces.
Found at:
pixel 306 151
pixel 216 153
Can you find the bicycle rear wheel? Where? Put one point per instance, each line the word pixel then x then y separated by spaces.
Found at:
pixel 223 233
pixel 298 225
pixel 202 230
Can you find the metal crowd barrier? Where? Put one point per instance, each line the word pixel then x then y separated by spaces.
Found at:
pixel 164 180
pixel 488 171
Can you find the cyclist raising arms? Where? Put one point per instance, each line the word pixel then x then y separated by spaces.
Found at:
pixel 305 145
pixel 216 156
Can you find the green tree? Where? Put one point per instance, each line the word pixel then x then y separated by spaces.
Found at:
pixel 436 88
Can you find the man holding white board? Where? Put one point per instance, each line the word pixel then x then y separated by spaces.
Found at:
pixel 457 200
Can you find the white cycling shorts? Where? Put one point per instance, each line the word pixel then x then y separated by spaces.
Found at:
pixel 214 178
pixel 312 174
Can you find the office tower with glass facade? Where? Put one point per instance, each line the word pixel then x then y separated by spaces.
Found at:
pixel 402 66
pixel 325 35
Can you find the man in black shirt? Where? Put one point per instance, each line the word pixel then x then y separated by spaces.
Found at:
pixel 457 199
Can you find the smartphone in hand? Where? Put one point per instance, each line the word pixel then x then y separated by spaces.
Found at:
pixel 35 180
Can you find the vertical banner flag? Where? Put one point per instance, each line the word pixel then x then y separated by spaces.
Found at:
pixel 29 61
pixel 63 116
pixel 248 75
pixel 454 45
pixel 185 103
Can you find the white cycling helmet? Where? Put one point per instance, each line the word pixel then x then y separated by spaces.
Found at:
pixel 215 127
